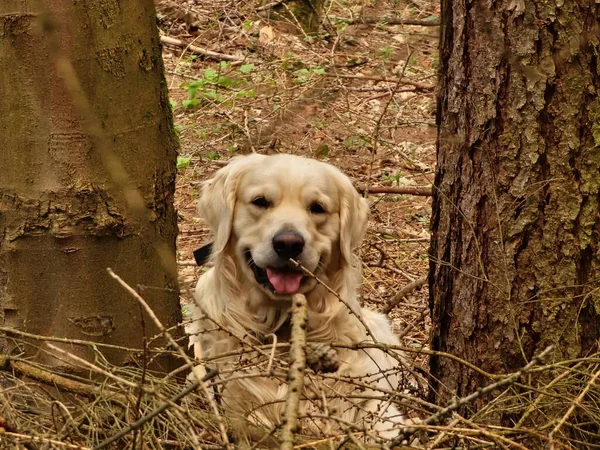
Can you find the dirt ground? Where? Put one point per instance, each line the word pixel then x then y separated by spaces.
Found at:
pixel 358 95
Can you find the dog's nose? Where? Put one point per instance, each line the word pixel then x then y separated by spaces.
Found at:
pixel 288 244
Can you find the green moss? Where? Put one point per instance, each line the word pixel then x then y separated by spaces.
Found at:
pixel 594 119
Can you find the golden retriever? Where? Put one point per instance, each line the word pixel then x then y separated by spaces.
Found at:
pixel 264 211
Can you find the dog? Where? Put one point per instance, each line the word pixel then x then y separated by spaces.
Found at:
pixel 283 225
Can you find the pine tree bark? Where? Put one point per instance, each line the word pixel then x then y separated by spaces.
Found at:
pixel 515 256
pixel 87 173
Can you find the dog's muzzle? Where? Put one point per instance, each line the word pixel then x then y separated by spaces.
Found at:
pixel 284 280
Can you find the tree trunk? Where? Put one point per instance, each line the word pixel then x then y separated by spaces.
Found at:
pixel 514 256
pixel 306 13
pixel 87 173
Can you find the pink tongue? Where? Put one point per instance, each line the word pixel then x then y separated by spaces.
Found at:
pixel 284 282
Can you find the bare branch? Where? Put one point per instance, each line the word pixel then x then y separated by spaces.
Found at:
pixel 200 50
pixel 296 371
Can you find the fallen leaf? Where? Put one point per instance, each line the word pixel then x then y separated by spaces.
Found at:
pixel 266 35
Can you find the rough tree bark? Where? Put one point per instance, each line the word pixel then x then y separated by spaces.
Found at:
pixel 515 256
pixel 87 172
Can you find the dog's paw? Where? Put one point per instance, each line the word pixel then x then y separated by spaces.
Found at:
pixel 321 358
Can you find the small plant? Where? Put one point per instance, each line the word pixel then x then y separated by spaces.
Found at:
pixel 212 156
pixel 214 82
pixel 323 150
pixel 246 68
pixel 291 62
pixel 320 123
pixel 303 75
pixel 179 129
pixel 395 178
pixel 188 61
pixel 386 52
pixel 356 142
pixel 183 162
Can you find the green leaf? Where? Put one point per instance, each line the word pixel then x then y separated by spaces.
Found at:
pixel 225 81
pixel 210 75
pixel 249 93
pixel 214 96
pixel 183 162
pixel 319 71
pixel 194 84
pixel 323 149
pixel 190 102
pixel 246 68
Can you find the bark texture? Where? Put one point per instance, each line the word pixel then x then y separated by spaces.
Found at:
pixel 85 128
pixel 514 256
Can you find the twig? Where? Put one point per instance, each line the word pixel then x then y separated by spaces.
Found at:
pixel 331 291
pixel 574 405
pixel 43 440
pixel 407 432
pixel 173 400
pixel 391 21
pixel 140 393
pixel 296 371
pixel 39 337
pixel 418 85
pixel 50 378
pixel 7 427
pixel 375 138
pixel 273 350
pixel 542 395
pixel 270 5
pixel 180 350
pixel 404 292
pixel 424 313
pixel 421 350
pixel 395 234
pixel 93 367
pixel 199 50
pixel 420 191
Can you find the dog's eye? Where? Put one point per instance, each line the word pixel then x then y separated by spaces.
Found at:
pixel 316 208
pixel 261 202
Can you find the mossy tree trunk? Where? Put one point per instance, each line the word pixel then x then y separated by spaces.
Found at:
pixel 86 130
pixel 515 246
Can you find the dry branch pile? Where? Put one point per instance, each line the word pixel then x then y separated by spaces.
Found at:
pixel 554 406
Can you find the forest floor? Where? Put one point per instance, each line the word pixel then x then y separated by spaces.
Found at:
pixel 358 95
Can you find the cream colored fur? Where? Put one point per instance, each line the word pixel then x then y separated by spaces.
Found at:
pixel 228 294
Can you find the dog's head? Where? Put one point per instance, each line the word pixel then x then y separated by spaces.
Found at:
pixel 266 210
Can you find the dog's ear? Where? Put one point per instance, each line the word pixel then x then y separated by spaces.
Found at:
pixel 217 199
pixel 354 213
